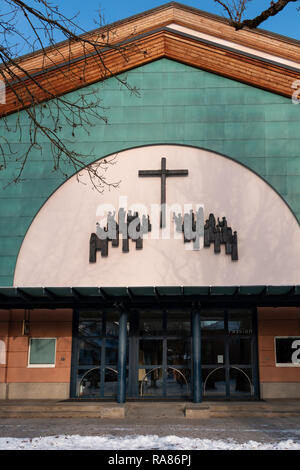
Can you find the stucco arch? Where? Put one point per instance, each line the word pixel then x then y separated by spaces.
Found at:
pixel 56 244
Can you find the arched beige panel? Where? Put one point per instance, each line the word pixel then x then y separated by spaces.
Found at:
pixel 55 251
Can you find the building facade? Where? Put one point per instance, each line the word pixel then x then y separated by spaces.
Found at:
pixel 182 281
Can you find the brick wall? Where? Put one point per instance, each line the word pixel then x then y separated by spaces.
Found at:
pixel 43 324
pixel 271 323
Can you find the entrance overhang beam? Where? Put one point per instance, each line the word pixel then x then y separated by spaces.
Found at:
pixel 105 297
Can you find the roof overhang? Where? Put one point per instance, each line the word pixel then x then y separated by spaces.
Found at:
pixel 100 297
pixel 255 57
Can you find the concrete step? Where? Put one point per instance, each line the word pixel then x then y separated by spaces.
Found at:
pixel 260 414
pixel 237 410
pixel 62 410
pixel 49 414
pixel 143 411
pixel 54 409
pixel 154 410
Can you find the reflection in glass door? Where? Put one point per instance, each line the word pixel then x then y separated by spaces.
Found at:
pixel 159 362
pixel 95 354
pixel 213 353
pixel 163 351
pixel 228 347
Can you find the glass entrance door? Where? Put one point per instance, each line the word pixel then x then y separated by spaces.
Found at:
pixel 213 353
pixel 95 354
pixel 160 345
pixel 228 354
pixel 159 362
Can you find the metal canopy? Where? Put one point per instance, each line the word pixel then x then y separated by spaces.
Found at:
pixel 72 297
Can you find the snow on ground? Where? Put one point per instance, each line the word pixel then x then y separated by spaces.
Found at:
pixel 138 442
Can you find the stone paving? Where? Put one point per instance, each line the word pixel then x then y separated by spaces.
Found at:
pixel 265 430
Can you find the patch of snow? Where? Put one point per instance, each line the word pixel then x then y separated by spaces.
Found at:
pixel 138 442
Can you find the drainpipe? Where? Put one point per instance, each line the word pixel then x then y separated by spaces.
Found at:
pixel 196 355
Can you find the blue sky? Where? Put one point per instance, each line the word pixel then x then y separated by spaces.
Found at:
pixel 287 22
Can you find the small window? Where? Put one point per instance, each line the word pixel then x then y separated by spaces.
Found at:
pixel 287 351
pixel 42 352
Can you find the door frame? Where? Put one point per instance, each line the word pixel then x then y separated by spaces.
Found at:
pixel 133 345
pixel 134 339
pixel 227 365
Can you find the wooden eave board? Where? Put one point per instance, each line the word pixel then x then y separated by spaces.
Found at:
pixel 170 13
pixel 146 48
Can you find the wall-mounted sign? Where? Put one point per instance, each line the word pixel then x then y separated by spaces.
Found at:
pixel 241 331
pixel 191 224
pixel 287 350
pixel 220 359
pixel 129 226
pixel 215 233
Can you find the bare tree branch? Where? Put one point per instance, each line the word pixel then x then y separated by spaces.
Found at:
pixel 49 114
pixel 236 9
pixel 33 91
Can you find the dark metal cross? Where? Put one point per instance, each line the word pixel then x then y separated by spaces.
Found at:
pixel 163 173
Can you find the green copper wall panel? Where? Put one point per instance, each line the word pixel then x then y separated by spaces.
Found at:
pixel 175 104
pixel 7 264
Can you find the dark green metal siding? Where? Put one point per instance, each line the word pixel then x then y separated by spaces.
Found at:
pixel 177 104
